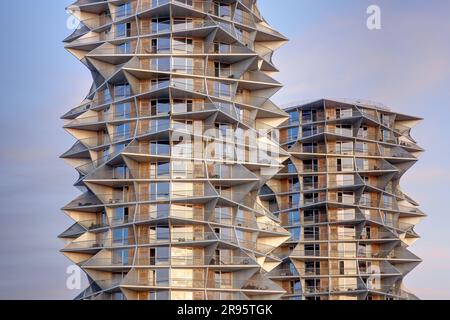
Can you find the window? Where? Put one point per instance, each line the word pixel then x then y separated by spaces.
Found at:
pixel 121 172
pixel 162 277
pixel 312 250
pixel 222 70
pixel 239 15
pixel 309 116
pixel 363 132
pixel 106 95
pixel 310 148
pixel 183 256
pixel 159 83
pixel 160 107
pixel 293 117
pixel 311 198
pixel 386 136
pixel 344 130
pixel 312 233
pixel 120 236
pixel 162 233
pixel 295 287
pixel 160 25
pixel 222 256
pixel 308 131
pixel 185 126
pixel 310 165
pixel 311 216
pixel 163 169
pixel 161 148
pixel 345 214
pixel 180 24
pixel 183 83
pixel 159 125
pixel 120 257
pixel 346 233
pixel 181 169
pixel 182 106
pixel 183 45
pixel 159 190
pixel 346 197
pixel 312 267
pixel 123 110
pixel 220 47
pixel 294 217
pixel 162 255
pixel 118 296
pixel 344 113
pixel 344 147
pixel 366 233
pixel 162 210
pixel 295 234
pixel 122 91
pixel 362 164
pixel 124 48
pixel 159 295
pixel 346 250
pixel 386 120
pixel 294 200
pixel 310 182
pixel 184 65
pixel 362 147
pixel 104 218
pixel 123 30
pixel 387 201
pixel 105 152
pixel 344 164
pixel 160 45
pixel 223 215
pixel 223 279
pixel 183 150
pixel 343 180
pixel 123 10
pixel 160 64
pixel 122 130
pixel 222 89
pixel 222 10
pixel 293 133
pixel 294 184
pixel 119 147
pixel 291 168
pixel 342 268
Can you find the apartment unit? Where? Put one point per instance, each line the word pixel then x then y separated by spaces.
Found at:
pixel 339 196
pixel 167 149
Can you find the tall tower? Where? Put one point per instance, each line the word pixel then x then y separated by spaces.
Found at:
pixel 168 150
pixel 339 195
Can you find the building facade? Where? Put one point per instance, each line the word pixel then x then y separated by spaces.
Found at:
pixel 339 195
pixel 168 150
pixel 195 185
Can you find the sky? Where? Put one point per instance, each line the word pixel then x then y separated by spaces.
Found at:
pixel 331 54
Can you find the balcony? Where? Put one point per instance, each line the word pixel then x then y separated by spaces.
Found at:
pixel 100 244
pixel 101 118
pixel 339 254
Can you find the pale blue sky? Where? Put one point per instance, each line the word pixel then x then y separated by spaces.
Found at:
pixel 331 54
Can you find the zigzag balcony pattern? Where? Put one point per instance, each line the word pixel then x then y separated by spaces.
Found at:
pixel 339 196
pixel 167 149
